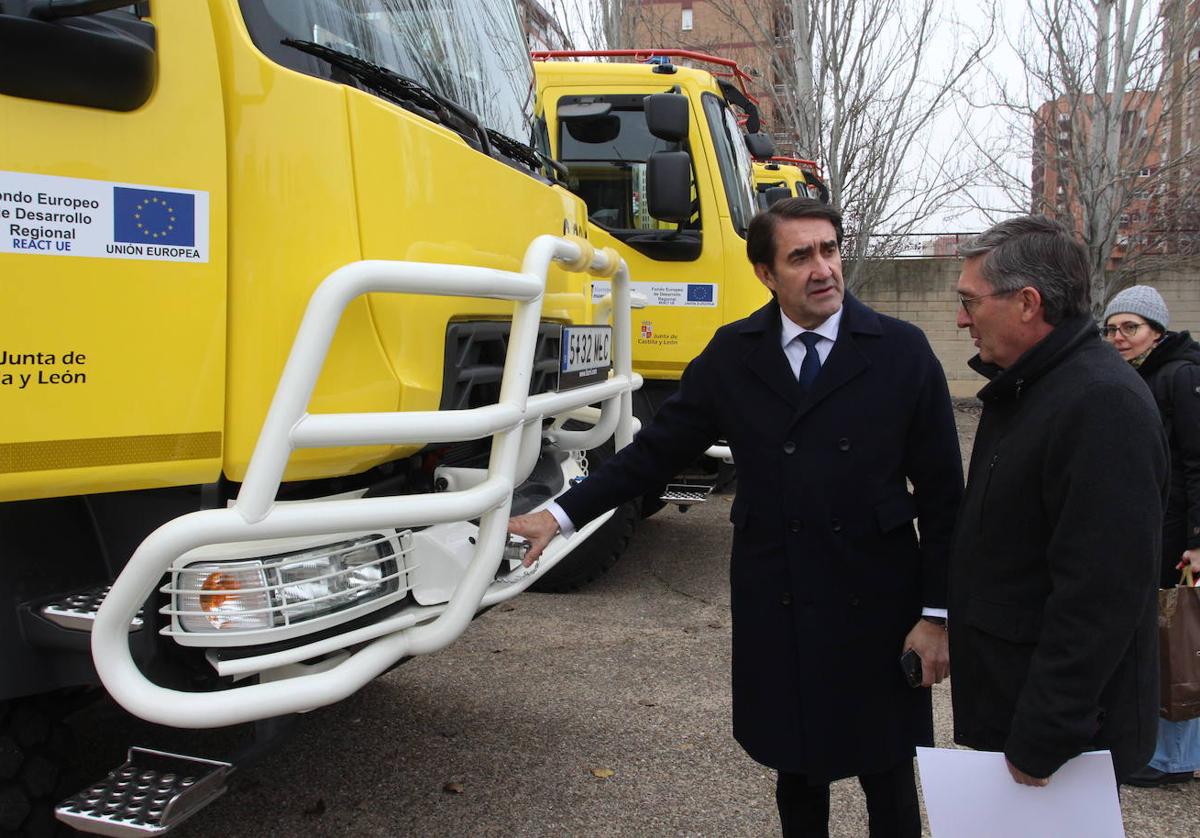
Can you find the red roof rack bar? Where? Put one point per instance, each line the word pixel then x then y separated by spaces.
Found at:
pixel 808 165
pixel 643 55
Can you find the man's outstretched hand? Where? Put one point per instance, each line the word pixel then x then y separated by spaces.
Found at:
pixel 538 528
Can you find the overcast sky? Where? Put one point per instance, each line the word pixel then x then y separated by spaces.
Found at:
pixel 575 16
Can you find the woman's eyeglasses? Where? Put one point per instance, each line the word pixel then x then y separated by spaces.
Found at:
pixel 1127 329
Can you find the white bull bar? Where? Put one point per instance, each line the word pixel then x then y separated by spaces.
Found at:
pixel 256 516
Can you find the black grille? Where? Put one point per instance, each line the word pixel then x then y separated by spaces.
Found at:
pixel 475 362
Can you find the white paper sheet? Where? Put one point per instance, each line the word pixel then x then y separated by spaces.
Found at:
pixel 970 794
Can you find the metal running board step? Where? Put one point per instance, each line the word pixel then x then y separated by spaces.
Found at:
pixel 152 793
pixel 78 610
pixel 684 495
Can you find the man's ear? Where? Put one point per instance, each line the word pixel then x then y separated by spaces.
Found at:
pixel 763 272
pixel 1031 304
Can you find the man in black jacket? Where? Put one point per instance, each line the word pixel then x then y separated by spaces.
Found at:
pixel 830 410
pixel 1054 570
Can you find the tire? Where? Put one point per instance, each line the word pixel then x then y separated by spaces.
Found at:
pixel 600 552
pixel 34 751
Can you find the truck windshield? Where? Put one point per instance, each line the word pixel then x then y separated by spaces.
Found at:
pixel 471 52
pixel 607 158
pixel 733 158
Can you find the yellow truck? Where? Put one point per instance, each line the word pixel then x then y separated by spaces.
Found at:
pixel 778 178
pixel 294 317
pixel 635 120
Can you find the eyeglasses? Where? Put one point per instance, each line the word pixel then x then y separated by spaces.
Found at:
pixel 966 302
pixel 1128 329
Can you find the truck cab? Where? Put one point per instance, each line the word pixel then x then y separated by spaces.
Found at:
pixel 689 266
pixel 788 177
pixel 776 179
pixel 295 317
pixel 692 275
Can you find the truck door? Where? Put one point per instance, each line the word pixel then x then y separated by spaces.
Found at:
pixel 112 249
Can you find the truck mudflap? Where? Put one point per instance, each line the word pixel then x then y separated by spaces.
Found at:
pixel 314 674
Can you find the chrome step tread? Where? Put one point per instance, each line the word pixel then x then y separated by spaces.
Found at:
pixel 78 610
pixel 686 494
pixel 151 794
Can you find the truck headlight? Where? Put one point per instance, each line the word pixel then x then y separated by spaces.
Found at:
pixel 285 589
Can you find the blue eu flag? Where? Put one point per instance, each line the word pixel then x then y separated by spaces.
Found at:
pixel 699 293
pixel 145 216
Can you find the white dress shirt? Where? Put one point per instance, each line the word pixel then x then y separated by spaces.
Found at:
pixel 795 350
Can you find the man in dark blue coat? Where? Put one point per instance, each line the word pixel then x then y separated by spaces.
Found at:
pixel 831 410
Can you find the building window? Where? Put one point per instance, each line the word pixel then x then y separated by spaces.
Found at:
pixel 687 20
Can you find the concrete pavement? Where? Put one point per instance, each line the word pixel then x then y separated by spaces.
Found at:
pixel 505 732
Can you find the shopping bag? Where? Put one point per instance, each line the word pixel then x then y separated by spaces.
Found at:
pixel 1179 650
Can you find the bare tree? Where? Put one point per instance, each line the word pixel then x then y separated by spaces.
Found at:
pixel 1102 106
pixel 596 24
pixel 858 86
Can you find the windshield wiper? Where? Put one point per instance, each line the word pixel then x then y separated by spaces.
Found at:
pixel 406 92
pixel 527 154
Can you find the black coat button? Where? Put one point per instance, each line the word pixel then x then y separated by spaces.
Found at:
pixel 836 525
pixel 786 599
pixel 854 602
pixel 789 447
pixel 843 444
pixel 794 525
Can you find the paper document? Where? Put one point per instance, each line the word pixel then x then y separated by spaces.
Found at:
pixel 970 794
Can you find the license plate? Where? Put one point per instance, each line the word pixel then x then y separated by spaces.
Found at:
pixel 586 355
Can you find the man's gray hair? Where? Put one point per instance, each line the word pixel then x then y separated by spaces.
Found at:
pixel 1038 252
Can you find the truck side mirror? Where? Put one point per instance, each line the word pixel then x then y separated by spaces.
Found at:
pixel 776 194
pixel 89 61
pixel 815 183
pixel 667 116
pixel 761 146
pixel 669 186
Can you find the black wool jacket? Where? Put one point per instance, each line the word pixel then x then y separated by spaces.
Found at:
pixel 827 572
pixel 1054 569
pixel 1173 373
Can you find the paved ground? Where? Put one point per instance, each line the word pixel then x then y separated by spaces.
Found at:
pixel 601 713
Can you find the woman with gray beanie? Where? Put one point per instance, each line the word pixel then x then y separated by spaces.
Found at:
pixel 1135 322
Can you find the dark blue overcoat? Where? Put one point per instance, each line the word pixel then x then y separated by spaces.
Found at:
pixel 827 573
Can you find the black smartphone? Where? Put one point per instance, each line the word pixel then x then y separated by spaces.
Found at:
pixel 910 665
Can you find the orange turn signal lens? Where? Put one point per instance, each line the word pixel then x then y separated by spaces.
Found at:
pixel 216 582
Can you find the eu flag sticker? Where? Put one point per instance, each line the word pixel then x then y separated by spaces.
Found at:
pixel 699 293
pixel 147 216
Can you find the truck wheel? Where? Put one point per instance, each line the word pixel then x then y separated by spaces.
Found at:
pixel 595 556
pixel 34 748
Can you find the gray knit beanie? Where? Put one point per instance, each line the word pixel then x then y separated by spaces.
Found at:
pixel 1141 300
